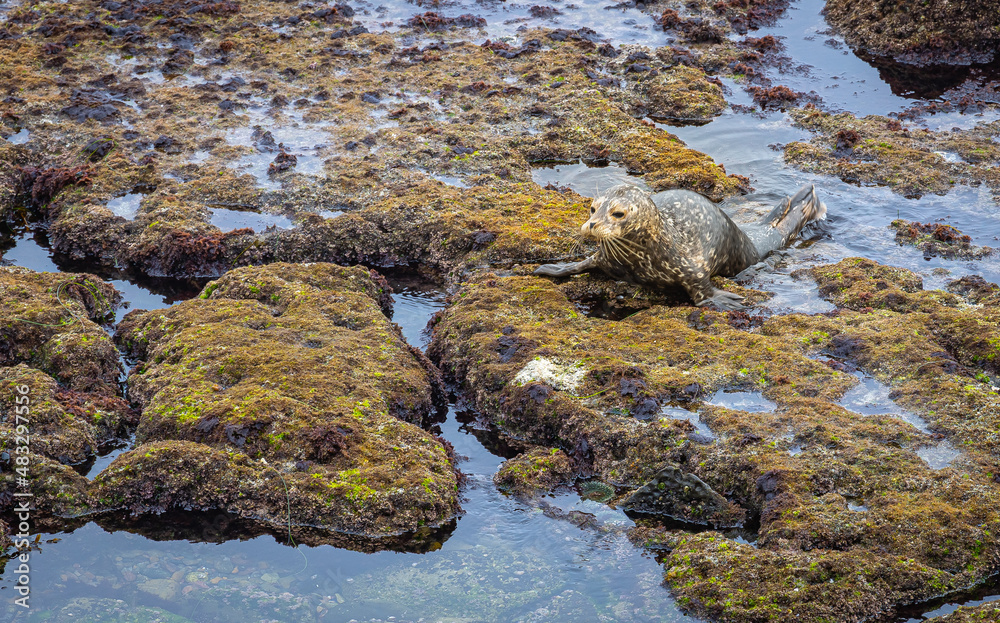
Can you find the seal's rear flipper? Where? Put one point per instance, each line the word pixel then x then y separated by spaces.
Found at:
pixel 794 213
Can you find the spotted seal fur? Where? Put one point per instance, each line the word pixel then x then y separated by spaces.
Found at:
pixel 679 237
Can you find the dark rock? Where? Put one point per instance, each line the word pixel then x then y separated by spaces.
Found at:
pixel 680 495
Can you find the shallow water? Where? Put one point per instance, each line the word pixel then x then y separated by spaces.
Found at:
pixel 589 181
pixel 506 20
pixel 126 206
pixel 751 402
pixel 228 220
pixel 680 413
pixel 20 137
pixel 871 397
pixel 858 217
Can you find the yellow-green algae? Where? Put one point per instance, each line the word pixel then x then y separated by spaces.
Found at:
pixel 925 531
pixel 462 110
pixel 290 376
pixel 533 472
pixel 971 614
pixel 880 150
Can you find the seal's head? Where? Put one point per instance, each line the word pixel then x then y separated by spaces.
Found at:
pixel 620 212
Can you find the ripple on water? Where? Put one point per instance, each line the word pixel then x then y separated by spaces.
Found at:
pixel 228 220
pixel 751 402
pixel 680 413
pixel 126 206
pixel 871 397
pixel 586 180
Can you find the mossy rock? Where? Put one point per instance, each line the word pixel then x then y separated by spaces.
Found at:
pixel 971 614
pixel 683 94
pixel 960 31
pixel 487 119
pixel 918 532
pixel 65 425
pixel 299 366
pixel 878 150
pixel 47 321
pixel 534 472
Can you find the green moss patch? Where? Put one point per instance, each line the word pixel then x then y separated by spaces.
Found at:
pixel 296 367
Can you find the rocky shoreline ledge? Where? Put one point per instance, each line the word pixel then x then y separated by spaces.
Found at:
pixel 165 138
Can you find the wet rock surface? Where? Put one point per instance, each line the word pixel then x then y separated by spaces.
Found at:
pixel 537 471
pixel 676 494
pixel 208 139
pixel 938 239
pixel 813 533
pixel 958 32
pixel 357 124
pixel 880 150
pixel 49 324
pixel 54 350
pixel 284 374
pixel 963 614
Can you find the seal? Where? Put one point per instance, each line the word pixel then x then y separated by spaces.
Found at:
pixel 680 238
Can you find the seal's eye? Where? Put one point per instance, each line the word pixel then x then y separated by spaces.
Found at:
pixel 618 214
pixel 593 209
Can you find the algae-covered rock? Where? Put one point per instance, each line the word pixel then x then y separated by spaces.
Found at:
pixel 534 472
pixel 718 577
pixel 913 161
pixel 938 239
pixel 685 94
pixel 12 158
pixel 915 31
pixel 674 493
pixel 47 320
pixel 388 117
pixel 971 614
pixel 287 376
pixel 893 506
pixel 65 425
pixel 59 392
pixel 193 476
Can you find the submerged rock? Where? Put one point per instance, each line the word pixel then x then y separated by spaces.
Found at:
pixel 112 611
pixel 286 380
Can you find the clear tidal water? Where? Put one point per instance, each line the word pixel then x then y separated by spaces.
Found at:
pixel 501 560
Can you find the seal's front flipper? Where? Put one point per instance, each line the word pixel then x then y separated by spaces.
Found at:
pixel 725 301
pixel 567 269
pixel 703 293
